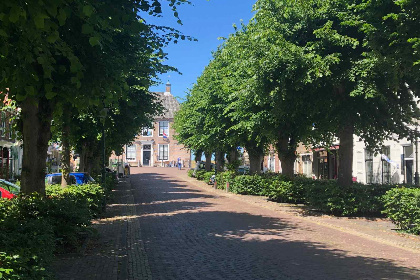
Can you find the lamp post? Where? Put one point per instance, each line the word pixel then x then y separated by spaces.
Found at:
pixel 103 115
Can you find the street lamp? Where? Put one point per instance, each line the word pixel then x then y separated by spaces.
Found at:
pixel 104 113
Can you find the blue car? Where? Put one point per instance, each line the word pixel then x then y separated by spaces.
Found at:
pixel 76 178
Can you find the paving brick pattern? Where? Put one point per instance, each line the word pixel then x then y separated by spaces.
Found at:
pixel 163 225
pixel 192 233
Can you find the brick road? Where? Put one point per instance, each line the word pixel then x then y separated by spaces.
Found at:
pixel 164 226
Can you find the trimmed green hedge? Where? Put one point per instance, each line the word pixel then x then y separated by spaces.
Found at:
pixel 402 206
pixel 34 227
pixel 190 173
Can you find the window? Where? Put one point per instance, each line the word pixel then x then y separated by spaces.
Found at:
pixel 131 152
pixel 369 166
pixel 307 165
pixel 147 132
pixel 164 128
pixel 386 165
pixel 163 152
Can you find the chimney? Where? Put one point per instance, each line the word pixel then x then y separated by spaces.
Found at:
pixel 168 87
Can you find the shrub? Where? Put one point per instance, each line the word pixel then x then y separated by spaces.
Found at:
pixel 199 174
pixel 207 176
pixel 224 177
pixel 402 206
pixel 27 240
pixel 357 199
pixel 249 184
pixel 190 173
pixel 91 194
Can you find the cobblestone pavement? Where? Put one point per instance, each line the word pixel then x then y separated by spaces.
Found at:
pixel 165 225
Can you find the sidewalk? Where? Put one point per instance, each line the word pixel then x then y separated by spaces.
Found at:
pixel 376 229
pixel 116 251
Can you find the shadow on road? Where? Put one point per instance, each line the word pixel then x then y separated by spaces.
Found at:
pixel 189 235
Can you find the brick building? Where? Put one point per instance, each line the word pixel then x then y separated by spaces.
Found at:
pixel 157 146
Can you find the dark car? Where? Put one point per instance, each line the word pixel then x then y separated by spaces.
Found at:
pixel 8 190
pixel 76 178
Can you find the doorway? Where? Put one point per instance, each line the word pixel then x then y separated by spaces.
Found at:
pixel 146 158
pixel 147 155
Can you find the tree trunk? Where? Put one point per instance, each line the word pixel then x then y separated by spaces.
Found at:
pixel 286 148
pixel 83 156
pixel 208 160
pixel 219 161
pixel 233 155
pixel 198 155
pixel 255 163
pixel 89 164
pixel 36 129
pixel 345 155
pixel 65 146
pixel 256 156
pixel 345 135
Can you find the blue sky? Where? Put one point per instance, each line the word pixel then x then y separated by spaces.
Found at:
pixel 206 21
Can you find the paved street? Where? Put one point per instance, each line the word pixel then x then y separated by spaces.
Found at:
pixel 166 226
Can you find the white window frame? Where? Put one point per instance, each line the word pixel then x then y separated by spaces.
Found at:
pixel 307 165
pixel 162 145
pixel 161 133
pixel 148 130
pixel 135 153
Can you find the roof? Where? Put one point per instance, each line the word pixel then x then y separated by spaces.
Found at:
pixel 169 103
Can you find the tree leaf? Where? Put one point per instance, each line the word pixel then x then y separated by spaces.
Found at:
pixel 50 94
pixel 88 10
pixel 62 16
pixel 39 21
pixel 87 28
pixel 30 90
pixel 93 41
pixel 53 37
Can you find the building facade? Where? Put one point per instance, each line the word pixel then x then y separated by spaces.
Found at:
pixel 156 146
pixel 395 163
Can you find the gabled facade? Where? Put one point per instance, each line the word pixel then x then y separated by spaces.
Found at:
pixel 156 146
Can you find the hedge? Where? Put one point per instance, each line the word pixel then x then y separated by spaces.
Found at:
pixel 402 206
pixel 34 227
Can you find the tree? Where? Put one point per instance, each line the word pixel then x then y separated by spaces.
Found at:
pixel 361 93
pixel 72 52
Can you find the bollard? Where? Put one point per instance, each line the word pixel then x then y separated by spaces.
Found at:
pixel 227 186
pixel 215 183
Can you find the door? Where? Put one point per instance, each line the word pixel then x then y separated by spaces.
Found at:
pixel 409 171
pixel 146 158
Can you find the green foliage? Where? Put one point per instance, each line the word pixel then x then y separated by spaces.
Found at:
pixel 358 199
pixel 34 227
pixel 199 174
pixel 207 176
pixel 190 173
pixel 249 184
pixel 224 177
pixel 92 195
pixel 402 206
pixel 27 239
pixel 282 189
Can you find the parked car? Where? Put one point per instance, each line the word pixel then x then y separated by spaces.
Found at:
pixel 76 178
pixel 8 189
